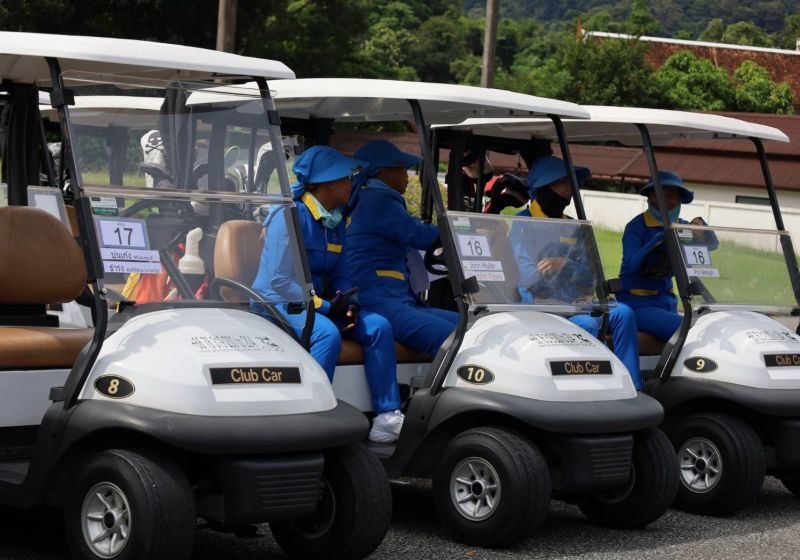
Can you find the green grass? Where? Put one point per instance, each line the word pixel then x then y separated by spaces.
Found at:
pixel 747 275
pixel 101 178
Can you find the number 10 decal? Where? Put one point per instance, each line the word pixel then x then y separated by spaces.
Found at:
pixel 477 375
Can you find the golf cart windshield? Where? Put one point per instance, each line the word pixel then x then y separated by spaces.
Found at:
pixel 736 267
pixel 177 192
pixel 530 261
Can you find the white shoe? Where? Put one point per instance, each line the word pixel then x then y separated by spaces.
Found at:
pixel 386 427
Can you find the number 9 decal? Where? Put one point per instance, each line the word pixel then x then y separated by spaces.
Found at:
pixel 700 365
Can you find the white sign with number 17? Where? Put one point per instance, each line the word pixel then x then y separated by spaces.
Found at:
pixel 123 232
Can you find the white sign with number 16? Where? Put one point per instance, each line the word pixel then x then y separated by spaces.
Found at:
pixel 697 255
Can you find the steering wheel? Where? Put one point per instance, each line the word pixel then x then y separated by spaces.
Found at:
pixel 434 260
pixel 656 263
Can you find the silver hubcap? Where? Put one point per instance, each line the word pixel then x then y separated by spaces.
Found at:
pixel 475 489
pixel 701 465
pixel 105 520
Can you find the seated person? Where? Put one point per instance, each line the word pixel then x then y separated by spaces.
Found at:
pixel 560 271
pixel 379 235
pixel 646 273
pixel 321 193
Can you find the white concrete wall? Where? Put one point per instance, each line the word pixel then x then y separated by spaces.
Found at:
pixel 614 210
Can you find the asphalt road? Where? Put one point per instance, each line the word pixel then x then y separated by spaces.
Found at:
pixel 770 529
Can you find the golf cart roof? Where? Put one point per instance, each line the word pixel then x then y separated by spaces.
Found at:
pixel 619 124
pixel 354 99
pixel 121 110
pixel 22 59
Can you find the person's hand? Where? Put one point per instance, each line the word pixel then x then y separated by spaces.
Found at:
pixel 551 265
pixel 338 306
pixel 350 318
pixel 698 221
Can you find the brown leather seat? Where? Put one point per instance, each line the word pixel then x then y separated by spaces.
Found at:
pixel 41 347
pixel 41 264
pixel 352 353
pixel 649 345
pixel 237 254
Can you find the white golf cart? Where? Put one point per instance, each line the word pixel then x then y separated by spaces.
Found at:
pixel 729 378
pixel 519 404
pixel 172 406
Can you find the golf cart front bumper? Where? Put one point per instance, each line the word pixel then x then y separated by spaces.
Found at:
pixel 221 435
pixel 583 418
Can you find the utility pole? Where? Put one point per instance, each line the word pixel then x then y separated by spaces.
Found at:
pixel 226 26
pixel 489 43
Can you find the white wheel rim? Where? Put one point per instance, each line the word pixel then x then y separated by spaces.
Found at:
pixel 475 489
pixel 106 520
pixel 700 465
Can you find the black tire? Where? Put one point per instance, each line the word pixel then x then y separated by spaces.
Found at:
pixel 160 506
pixel 353 514
pixel 520 472
pixel 791 481
pixel 740 469
pixel 650 492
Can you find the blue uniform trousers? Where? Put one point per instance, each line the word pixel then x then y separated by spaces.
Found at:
pixel 374 334
pixel 622 325
pixel 416 326
pixel 656 315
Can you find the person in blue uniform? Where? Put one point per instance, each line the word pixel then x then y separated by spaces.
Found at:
pixel 646 273
pixel 321 193
pixel 556 267
pixel 379 236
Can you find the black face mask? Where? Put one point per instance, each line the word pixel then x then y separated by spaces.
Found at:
pixel 552 204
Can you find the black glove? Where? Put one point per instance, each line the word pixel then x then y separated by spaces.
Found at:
pixel 338 305
pixel 351 317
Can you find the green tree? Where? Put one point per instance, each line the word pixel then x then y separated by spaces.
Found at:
pixel 788 36
pixel 746 33
pixel 714 31
pixel 757 93
pixel 610 72
pixel 688 82
pixel 641 20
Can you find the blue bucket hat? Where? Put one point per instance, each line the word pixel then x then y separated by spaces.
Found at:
pixel 320 164
pixel 381 154
pixel 550 169
pixel 670 179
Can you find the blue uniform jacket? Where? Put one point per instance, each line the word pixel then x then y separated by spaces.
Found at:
pixel 379 235
pixel 326 258
pixel 641 235
pixel 573 282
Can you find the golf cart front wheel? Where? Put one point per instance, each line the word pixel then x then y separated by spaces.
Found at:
pixel 128 505
pixel 492 487
pixel 353 511
pixel 649 492
pixel 721 461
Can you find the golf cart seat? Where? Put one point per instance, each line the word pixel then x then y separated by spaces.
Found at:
pixel 236 256
pixel 42 265
pixel 649 345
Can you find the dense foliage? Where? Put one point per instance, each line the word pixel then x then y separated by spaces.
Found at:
pixel 441 40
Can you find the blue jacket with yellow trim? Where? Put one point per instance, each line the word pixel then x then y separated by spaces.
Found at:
pixel 380 232
pixel 573 282
pixel 325 249
pixel 642 234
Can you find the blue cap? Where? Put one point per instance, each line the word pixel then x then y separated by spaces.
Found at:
pixel 320 164
pixel 551 169
pixel 381 154
pixel 670 179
